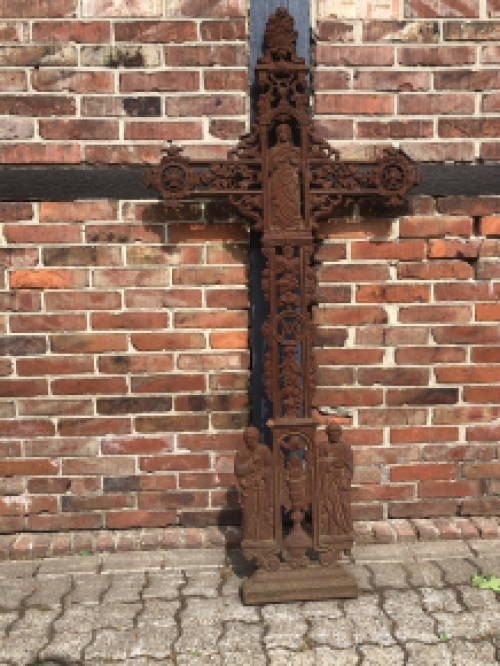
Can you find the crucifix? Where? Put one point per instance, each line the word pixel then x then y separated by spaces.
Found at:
pixel 284 179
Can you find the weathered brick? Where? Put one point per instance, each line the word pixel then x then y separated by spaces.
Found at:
pixel 360 104
pixel 429 355
pixel 435 270
pixel 419 104
pixel 156 31
pixel 46 323
pixel 87 343
pixel 88 427
pixel 219 31
pixel 48 279
pixel 472 335
pixel 127 56
pixel 79 129
pixel 70 80
pixel 354 56
pixel 471 30
pixel 169 383
pixel 41 234
pixel 205 105
pixel 120 8
pixel 425 32
pixel 171 423
pixel 199 8
pixel 119 365
pixel 51 55
pixel 16 128
pixel 168 131
pixel 225 79
pixel 425 227
pixel 39 9
pixel 37 105
pixel 441 8
pixel 167 81
pixel 395 129
pixel 426 151
pixel 386 80
pixel 466 79
pixel 205 56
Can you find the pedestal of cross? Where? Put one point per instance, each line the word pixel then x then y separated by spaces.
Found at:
pixel 284 180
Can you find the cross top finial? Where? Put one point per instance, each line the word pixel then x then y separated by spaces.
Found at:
pixel 280 38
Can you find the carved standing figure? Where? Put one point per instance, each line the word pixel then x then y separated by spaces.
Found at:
pixel 253 469
pixel 336 468
pixel 284 160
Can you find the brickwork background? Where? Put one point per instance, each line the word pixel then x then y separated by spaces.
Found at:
pixel 124 349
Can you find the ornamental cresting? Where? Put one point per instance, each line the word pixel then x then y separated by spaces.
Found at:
pixel 284 179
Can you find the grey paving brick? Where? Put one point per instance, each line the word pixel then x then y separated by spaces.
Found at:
pixel 389 576
pixel 202 583
pixel 50 592
pixel 133 561
pixel 241 637
pixel 185 559
pixel 155 642
pixel 424 574
pixel 420 654
pixel 438 550
pixel 485 547
pixel 195 639
pixel 14 592
pixel 34 621
pixel 109 645
pixel 125 587
pixel 394 552
pixel 435 600
pixel 457 572
pixel 163 584
pixel 361 573
pixel 18 569
pixel 479 653
pixel 62 566
pixel 336 633
pixel 369 624
pixel 88 590
pixel 473 598
pixel 118 616
pixel 382 656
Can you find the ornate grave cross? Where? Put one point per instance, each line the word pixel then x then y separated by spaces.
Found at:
pixel 285 179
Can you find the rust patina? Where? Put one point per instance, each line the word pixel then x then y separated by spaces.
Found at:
pixel 284 179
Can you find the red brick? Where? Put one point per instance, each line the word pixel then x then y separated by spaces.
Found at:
pixel 128 519
pixel 74 81
pixel 176 462
pixel 225 79
pixel 423 435
pixel 15 212
pixel 226 129
pixel 87 343
pixel 129 320
pixel 485 355
pixel 236 299
pixel 437 56
pixel 354 56
pixel 383 492
pixel 448 488
pixel 172 383
pixel 388 81
pixel 490 225
pixel 359 104
pixel 352 397
pixel 490 470
pixel 490 312
pixel 207 362
pixel 422 396
pixel 219 31
pixel 78 129
pixel 350 316
pixel 326 79
pixel 393 294
pixel 58 365
pixel 436 270
pixel 52 153
pixel 423 509
pixel 47 323
pixel 168 341
pixel 199 233
pixel 136 445
pixel 466 335
pixel 429 355
pixel 72 31
pixel 89 386
pixel 353 273
pixel 432 104
pixel 22 387
pixel 27 467
pixel 26 428
pixel 490 103
pixel 167 131
pixel 210 442
pixel 78 211
pixel 41 233
pixel 161 32
pixel 423 472
pixel 483 507
pixel 47 523
pixel 425 227
pixel 229 340
pixel 37 105
pixel 171 423
pixel 209 275
pixel 18 257
pixel 395 129
pixel 400 31
pixel 205 105
pixel 393 376
pixel 94 426
pixel 40 9
pixel 435 313
pixel 12 80
pixel 481 394
pixel 75 300
pixel 224 381
pixel 130 277
pixel 214 319
pixel 441 8
pixel 469 127
pixel 326 128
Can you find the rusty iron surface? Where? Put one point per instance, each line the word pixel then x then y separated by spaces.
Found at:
pixel 284 179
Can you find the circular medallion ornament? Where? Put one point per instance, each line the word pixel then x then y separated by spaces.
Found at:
pixel 173 178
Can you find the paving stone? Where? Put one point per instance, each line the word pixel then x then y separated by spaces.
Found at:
pixel 457 572
pixel 18 569
pixel 109 645
pixel 118 616
pixel 6 619
pixel 488 621
pixel 66 646
pixel 411 623
pixel 202 584
pixel 327 657
pixel 362 574
pixel 241 637
pixel 203 640
pixel 22 652
pixel 50 592
pixel 199 658
pixel 485 547
pixel 184 559
pixel 289 658
pixel 323 609
pixel 285 634
pixel 124 587
pixel 256 658
pixel 159 613
pixel 394 552
pixel 163 584
pixel 133 561
pixel 231 583
pixel 488 565
pixel 34 621
pixel 62 566
pixel 78 620
pixel 424 574
pixel 369 623
pixel 88 590
pixel 457 625
pixel 202 611
pixel 382 656
pixel 438 550
pixel 473 597
pixel 389 576
pixel 13 593
pixel 420 654
pixel 233 610
pixel 440 600
pixel 337 633
pixel 154 642
pixel 478 653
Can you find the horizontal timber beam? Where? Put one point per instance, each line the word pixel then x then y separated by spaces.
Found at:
pixel 72 183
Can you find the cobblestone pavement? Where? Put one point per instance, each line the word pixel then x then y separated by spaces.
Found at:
pixel 182 608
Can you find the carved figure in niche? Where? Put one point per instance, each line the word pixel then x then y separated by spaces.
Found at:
pixel 253 469
pixel 284 161
pixel 336 468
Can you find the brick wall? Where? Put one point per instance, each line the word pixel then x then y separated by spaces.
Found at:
pixel 124 367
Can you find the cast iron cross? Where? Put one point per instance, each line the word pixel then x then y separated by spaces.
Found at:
pixel 284 180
